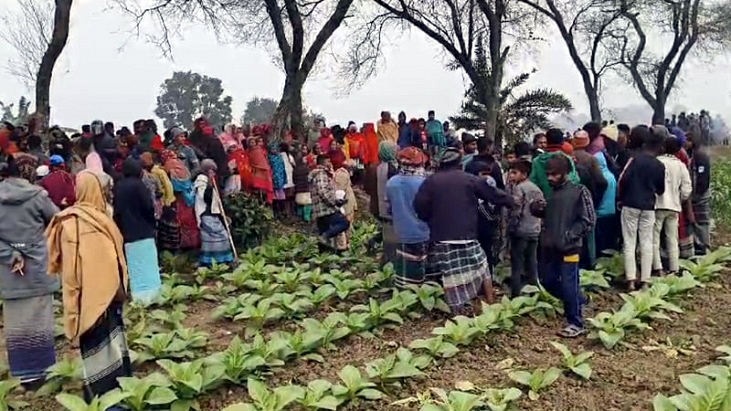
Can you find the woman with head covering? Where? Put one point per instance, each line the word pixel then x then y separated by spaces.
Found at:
pixel 86 250
pixel 279 178
pixel 289 163
pixel 152 183
pixel 134 213
pixel 303 198
pixel 180 178
pixel 325 139
pixel 448 202
pixel 26 289
pixel 93 164
pixel 341 176
pixel 179 146
pixel 336 154
pixel 206 144
pixel 386 169
pixel 215 240
pixel 228 137
pixel 411 232
pixel 261 176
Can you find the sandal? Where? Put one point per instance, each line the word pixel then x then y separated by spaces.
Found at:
pixel 572 331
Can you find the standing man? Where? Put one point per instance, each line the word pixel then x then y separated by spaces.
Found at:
pixel 455 253
pixel 387 128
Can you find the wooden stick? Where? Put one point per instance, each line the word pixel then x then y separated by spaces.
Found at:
pixel 225 220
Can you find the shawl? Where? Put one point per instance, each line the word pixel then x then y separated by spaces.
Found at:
pixel 435 131
pixel 86 248
pixel 27 164
pixel 261 178
pixel 241 159
pixel 337 158
pixel 355 145
pixel 325 139
pixel 370 144
pixel 279 175
pixel 228 137
pixel 596 146
pixel 176 169
pixel 387 152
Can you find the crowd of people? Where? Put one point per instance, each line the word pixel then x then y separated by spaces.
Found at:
pixel 91 211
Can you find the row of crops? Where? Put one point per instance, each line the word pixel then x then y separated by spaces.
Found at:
pixel 292 304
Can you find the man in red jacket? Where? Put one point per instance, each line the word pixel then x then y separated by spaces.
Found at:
pixel 59 184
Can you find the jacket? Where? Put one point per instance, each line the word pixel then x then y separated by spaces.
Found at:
pixel 25 210
pixel 134 211
pixel 608 204
pixel 569 216
pixel 404 135
pixel 678 186
pixel 322 190
pixel 388 131
pixel 384 172
pixel 521 222
pixel 642 180
pixel 60 187
pixel 700 169
pixel 538 172
pixel 590 175
pixel 447 201
pixel 400 193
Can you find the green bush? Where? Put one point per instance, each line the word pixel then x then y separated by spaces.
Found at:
pixel 721 190
pixel 251 219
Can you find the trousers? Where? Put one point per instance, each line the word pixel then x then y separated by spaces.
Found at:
pixel 667 221
pixel 638 226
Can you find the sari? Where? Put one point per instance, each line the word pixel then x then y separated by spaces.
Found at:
pixel 261 178
pixel 190 237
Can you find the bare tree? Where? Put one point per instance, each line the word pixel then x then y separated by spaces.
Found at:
pixel 38 33
pixel 584 27
pixel 300 28
pixel 683 26
pixel 455 25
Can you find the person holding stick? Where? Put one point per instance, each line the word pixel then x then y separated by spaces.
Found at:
pixel 216 242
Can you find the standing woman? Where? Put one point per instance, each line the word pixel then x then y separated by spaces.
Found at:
pixel 134 213
pixel 302 198
pixel 180 178
pixel 25 287
pixel 94 164
pixel 261 177
pixel 86 249
pixel 215 241
pixel 279 178
pixel 342 182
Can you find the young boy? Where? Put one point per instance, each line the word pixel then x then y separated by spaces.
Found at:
pixel 569 217
pixel 523 227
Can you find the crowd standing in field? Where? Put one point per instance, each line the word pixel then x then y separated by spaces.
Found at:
pixel 96 207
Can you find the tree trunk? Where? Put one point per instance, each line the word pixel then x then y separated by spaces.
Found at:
pixel 594 110
pixel 288 115
pixel 658 112
pixel 58 41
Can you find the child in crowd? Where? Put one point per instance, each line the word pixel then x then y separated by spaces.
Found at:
pixel 568 217
pixel 668 206
pixel 642 180
pixel 523 227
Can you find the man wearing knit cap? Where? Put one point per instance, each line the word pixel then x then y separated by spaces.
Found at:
pixel 448 202
pixel 556 146
pixel 412 234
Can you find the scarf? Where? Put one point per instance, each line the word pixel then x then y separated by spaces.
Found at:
pixel 337 157
pixel 409 170
pixel 387 152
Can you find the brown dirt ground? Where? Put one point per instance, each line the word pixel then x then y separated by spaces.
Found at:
pixel 626 378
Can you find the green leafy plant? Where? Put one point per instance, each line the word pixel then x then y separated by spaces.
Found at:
pixel 144 393
pixel 259 314
pixel 251 219
pixel 292 305
pixel 706 390
pixel 380 313
pixel 396 367
pixel 459 330
pixel 265 288
pixel 593 280
pixel 435 346
pixel 65 375
pixel 299 345
pixel 724 349
pixel 354 385
pixel 328 331
pixel 649 304
pixel 190 380
pixel 215 271
pixel 291 280
pixel 322 294
pixel 577 364
pixel 318 397
pixel 612 264
pixel 6 389
pixel 678 284
pixel 169 319
pixel 237 361
pixel 611 328
pixel 454 401
pixel 232 306
pixel 275 400
pixel 430 297
pixel 175 344
pixel 346 287
pixel 500 399
pixel 536 381
pixel 75 403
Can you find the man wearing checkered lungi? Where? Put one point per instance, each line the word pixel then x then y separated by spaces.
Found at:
pixel 448 202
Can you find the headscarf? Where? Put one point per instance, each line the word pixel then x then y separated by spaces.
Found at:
pixel 337 158
pixel 176 169
pixel 228 137
pixel 89 192
pixel 279 174
pixel 208 165
pixel 680 135
pixel 94 163
pixel 412 156
pixel 387 151
pixel 580 140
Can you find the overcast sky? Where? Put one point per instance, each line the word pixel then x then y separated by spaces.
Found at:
pixel 105 74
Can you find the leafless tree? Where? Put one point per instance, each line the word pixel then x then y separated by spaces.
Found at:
pixel 682 27
pixel 299 28
pixel 584 26
pixel 37 32
pixel 454 25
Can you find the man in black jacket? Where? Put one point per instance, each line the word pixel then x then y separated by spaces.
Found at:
pixel 569 217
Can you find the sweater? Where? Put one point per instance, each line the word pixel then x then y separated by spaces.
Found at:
pixel 678 186
pixel 25 209
pixel 538 172
pixel 521 222
pixel 400 193
pixel 642 180
pixel 447 202
pixel 608 204
pixel 134 211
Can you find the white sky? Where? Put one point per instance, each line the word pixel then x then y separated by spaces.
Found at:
pixel 98 78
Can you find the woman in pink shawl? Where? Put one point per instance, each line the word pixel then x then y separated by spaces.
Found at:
pixel 94 165
pixel 228 137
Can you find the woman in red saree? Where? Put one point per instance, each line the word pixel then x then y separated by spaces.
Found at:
pixel 261 176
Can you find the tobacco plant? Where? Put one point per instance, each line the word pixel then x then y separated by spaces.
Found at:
pixel 65 375
pixel 435 346
pixel 6 389
pixel 328 331
pixel 577 364
pixel 354 385
pixel 611 328
pixel 175 344
pixel 76 403
pixel 271 400
pixel 536 381
pixel 396 367
pixel 378 314
pixel 430 297
pixel 293 306
pixel 233 306
pixel 500 399
pixel 190 380
pixel 708 390
pixel 145 393
pixel 593 280
pixel 454 401
pixel 459 330
pixel 259 314
pixel 237 361
pixel 317 396
pixel 703 269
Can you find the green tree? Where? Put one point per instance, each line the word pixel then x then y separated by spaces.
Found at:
pixel 22 115
pixel 259 110
pixel 187 95
pixel 518 114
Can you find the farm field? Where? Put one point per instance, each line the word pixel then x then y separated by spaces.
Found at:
pixel 326 332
